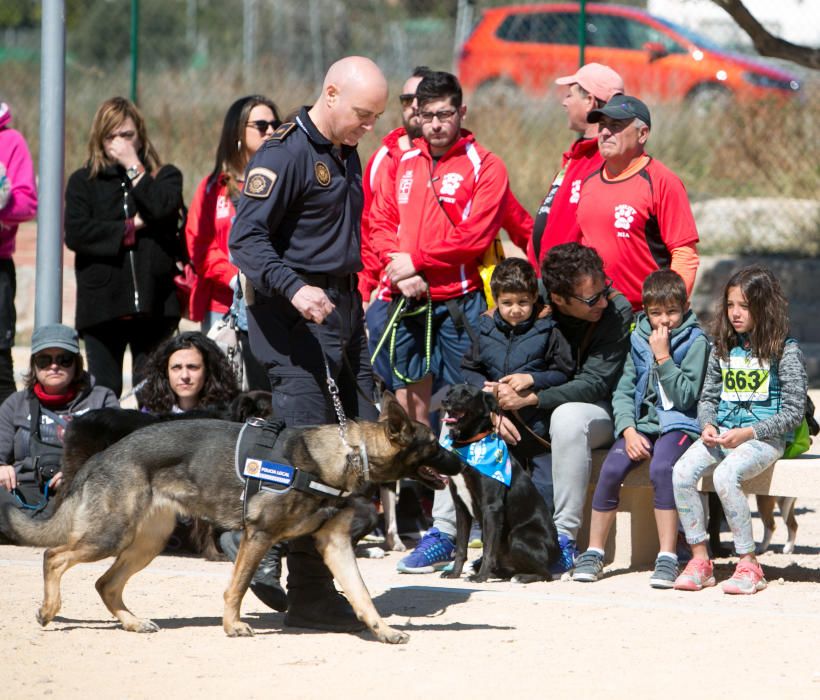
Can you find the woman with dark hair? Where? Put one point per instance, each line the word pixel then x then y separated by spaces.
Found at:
pixel 121 218
pixel 188 371
pixel 33 420
pixel 248 123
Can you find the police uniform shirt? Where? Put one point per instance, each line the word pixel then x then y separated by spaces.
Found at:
pixel 300 210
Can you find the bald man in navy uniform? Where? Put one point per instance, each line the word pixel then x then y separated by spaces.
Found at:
pixel 296 239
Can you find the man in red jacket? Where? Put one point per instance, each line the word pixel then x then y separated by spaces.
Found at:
pixel 430 225
pixel 592 86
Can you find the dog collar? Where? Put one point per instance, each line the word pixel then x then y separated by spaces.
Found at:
pixel 489 455
pixel 475 438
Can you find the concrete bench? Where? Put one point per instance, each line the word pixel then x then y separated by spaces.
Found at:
pixel 633 541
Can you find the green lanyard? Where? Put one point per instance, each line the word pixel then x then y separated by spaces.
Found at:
pixel 392 326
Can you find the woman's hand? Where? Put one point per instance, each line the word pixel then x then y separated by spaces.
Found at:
pixel 709 435
pixel 122 151
pixel 734 437
pixel 8 477
pixel 636 445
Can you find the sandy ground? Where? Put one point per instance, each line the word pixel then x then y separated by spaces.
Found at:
pixel 616 637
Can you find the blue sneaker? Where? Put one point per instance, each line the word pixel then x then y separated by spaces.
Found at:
pixel 569 553
pixel 433 553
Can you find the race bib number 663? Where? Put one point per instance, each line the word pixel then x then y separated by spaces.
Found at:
pixel 745 380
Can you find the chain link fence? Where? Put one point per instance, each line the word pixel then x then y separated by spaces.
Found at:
pixel 746 149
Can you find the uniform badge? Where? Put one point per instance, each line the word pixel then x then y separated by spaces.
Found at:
pixel 283 131
pixel 259 183
pixel 322 173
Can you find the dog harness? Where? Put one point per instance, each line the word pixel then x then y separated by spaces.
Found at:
pixel 260 466
pixel 488 455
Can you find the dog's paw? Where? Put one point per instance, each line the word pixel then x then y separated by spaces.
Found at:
pixel 395 544
pixel 43 618
pixel 141 626
pixel 477 578
pixel 390 636
pixel 450 574
pixel 239 629
pixel 788 548
pixel 370 552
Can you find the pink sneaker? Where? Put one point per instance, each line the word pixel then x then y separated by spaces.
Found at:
pixel 747 579
pixel 696 575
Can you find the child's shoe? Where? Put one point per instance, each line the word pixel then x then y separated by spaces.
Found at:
pixel 698 574
pixel 747 579
pixel 666 572
pixel 568 555
pixel 588 567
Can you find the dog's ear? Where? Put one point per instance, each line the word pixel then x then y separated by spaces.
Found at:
pixel 490 402
pixel 400 428
pixel 387 398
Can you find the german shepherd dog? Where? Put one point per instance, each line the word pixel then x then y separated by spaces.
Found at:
pixel 124 502
pixel 520 539
pixel 93 431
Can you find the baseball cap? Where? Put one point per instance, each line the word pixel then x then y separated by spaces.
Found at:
pixel 621 107
pixel 599 80
pixel 55 335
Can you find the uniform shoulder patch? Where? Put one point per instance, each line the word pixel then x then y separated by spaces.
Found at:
pixel 282 132
pixel 259 183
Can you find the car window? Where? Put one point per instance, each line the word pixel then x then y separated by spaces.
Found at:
pixel 540 28
pixel 624 33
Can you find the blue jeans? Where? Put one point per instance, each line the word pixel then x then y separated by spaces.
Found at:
pixel 376 319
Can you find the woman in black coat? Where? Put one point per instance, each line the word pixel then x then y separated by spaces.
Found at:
pixel 121 219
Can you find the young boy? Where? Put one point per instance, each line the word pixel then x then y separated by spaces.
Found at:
pixel 655 411
pixel 521 346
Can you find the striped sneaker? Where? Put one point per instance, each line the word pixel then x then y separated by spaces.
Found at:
pixel 747 579
pixel 433 553
pixel 697 575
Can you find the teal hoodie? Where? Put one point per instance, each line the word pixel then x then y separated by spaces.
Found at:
pixel 681 384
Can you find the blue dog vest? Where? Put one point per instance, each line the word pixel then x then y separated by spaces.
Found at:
pixel 488 456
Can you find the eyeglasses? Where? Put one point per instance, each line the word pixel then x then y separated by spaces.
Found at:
pixel 444 115
pixel 595 298
pixel 127 135
pixel 65 360
pixel 262 125
pixel 407 98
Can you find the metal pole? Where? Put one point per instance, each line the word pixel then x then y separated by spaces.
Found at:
pixel 48 278
pixel 582 33
pixel 248 40
pixel 464 24
pixel 135 49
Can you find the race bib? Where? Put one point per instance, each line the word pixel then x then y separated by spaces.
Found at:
pixel 745 379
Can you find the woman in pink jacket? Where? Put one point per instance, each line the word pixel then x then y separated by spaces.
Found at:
pixel 249 122
pixel 18 203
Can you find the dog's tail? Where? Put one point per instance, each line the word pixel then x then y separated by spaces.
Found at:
pixel 22 529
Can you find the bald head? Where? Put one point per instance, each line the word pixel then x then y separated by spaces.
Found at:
pixel 354 94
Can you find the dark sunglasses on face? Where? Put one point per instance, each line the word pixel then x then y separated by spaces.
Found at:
pixel 407 98
pixel 65 360
pixel 262 125
pixel 595 298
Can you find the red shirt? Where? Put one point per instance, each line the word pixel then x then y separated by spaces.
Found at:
pixel 555 221
pixel 635 224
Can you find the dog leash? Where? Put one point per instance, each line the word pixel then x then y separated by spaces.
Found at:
pixel 391 329
pixel 541 441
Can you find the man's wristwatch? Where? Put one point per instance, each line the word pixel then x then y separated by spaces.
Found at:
pixel 134 172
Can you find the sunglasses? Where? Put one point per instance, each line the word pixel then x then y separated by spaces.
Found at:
pixel 262 125
pixel 595 298
pixel 65 360
pixel 407 98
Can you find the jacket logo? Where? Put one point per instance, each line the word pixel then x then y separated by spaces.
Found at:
pixel 259 183
pixel 450 183
pixel 405 185
pixel 575 192
pixel 624 216
pixel 322 173
pixel 223 209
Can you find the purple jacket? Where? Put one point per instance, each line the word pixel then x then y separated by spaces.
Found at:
pixel 22 201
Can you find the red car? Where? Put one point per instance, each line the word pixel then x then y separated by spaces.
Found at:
pixel 528 46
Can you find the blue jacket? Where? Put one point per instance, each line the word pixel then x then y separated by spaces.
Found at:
pixel 535 347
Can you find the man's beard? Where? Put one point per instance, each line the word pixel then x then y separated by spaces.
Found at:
pixel 413 130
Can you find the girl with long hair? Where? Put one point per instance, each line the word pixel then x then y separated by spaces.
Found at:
pixel 754 397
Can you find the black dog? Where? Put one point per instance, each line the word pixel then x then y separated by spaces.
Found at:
pixel 520 539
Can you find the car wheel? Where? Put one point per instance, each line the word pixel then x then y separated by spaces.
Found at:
pixel 498 91
pixel 708 99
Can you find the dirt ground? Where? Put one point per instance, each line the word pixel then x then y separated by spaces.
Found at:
pixel 617 637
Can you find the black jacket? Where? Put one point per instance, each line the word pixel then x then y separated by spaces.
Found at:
pixel 536 347
pixel 94 228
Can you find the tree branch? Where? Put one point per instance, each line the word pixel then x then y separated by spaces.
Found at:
pixel 766 43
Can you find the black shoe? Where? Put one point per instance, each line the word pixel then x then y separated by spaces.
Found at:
pixel 319 609
pixel 265 582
